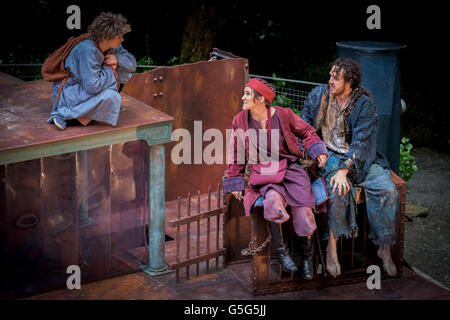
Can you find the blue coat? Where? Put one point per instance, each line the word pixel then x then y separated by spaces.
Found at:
pixel 92 91
pixel 362 123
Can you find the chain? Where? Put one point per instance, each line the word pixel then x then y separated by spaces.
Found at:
pixel 250 252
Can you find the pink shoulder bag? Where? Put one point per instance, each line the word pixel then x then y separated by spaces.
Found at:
pixel 272 171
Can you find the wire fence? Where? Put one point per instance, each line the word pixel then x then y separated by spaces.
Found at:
pixel 291 93
pixel 290 98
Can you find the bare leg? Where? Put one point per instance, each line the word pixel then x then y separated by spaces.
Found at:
pixel 388 264
pixel 333 266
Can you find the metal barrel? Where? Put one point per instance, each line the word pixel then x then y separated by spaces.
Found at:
pixel 381 75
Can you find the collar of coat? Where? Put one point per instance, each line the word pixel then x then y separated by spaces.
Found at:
pixel 289 121
pixel 324 104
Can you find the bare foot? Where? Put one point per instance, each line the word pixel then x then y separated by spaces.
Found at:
pixel 388 264
pixel 333 266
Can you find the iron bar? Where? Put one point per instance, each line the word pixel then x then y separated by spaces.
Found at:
pixel 204 257
pixel 178 238
pixel 198 232
pixel 208 228
pixel 188 234
pixel 202 215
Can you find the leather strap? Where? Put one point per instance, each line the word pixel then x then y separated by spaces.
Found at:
pixel 61 87
pixel 269 129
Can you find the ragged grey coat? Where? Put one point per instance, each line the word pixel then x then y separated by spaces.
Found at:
pixel 362 125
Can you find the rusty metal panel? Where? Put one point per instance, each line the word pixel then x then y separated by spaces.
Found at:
pixel 209 92
pixel 86 208
pixel 129 200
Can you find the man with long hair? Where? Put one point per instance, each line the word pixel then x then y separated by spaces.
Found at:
pixel 344 114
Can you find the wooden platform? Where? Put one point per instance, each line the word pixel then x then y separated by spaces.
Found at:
pixel 224 285
pixel 25 134
pixel 233 282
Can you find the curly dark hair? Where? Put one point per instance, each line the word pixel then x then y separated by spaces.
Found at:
pixel 352 70
pixel 107 26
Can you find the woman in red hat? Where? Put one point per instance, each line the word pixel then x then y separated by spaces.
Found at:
pixel 286 182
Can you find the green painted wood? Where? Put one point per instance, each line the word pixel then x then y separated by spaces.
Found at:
pixel 153 134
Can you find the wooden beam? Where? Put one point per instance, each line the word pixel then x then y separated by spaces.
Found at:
pixel 204 257
pixel 154 134
pixel 200 216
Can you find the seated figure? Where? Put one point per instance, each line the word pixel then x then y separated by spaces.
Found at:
pixel 344 115
pixel 289 184
pixel 98 66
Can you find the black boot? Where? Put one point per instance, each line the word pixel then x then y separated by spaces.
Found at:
pixel 307 247
pixel 287 263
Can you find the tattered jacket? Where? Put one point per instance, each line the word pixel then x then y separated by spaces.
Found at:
pixel 361 131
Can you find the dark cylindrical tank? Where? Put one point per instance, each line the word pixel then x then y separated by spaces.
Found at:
pixel 381 75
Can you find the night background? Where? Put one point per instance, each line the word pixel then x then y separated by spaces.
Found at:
pixel 293 39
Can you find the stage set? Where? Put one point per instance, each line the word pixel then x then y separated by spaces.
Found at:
pixel 111 201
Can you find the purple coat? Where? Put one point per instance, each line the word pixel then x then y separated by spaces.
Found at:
pixel 292 127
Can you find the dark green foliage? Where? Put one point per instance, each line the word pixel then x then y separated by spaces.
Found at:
pixel 407 161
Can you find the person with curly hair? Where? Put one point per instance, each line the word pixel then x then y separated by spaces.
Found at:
pixel 99 66
pixel 344 115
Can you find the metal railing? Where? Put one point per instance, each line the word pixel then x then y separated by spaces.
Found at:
pixel 292 94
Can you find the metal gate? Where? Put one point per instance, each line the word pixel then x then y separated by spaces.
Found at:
pixel 206 231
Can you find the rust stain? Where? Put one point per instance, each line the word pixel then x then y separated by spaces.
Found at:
pixel 205 91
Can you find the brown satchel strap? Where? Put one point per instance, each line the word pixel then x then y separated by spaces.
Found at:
pixel 61 86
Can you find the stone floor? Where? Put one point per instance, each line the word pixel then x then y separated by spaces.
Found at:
pixel 225 284
pixel 427 239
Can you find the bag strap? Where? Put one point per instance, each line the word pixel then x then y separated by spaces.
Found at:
pixel 63 83
pixel 269 129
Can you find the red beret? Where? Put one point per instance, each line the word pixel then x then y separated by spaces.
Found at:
pixel 262 87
